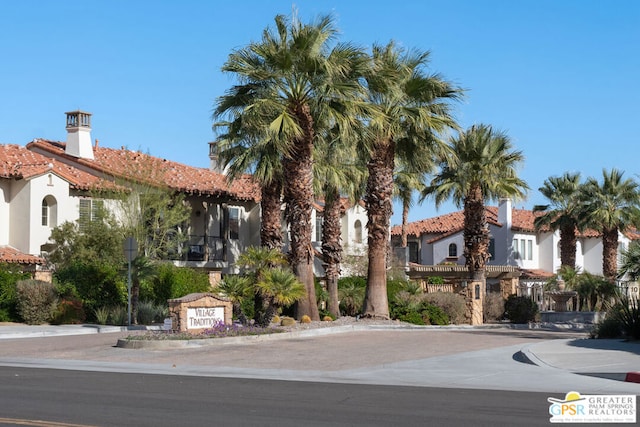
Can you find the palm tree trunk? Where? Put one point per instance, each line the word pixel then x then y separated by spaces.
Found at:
pixel 405 218
pixel 270 226
pixel 568 246
pixel 298 195
pixel 476 234
pixel 379 210
pixel 610 254
pixel 332 248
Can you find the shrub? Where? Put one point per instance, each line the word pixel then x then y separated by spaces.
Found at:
pixel 149 312
pixel 493 307
pixel 453 305
pixel 102 315
pixel 412 317
pixel 305 319
pixel 623 319
pixel 610 327
pixel 10 274
pixel 275 320
pixel 69 311
pixel 96 284
pixel 520 309
pixel 351 292
pixel 287 321
pixel 328 318
pixel 119 315
pixel 36 300
pixel 175 282
pixel 434 315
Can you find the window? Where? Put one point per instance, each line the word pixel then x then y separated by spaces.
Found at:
pixel 90 210
pixel 413 252
pixel 358 229
pixel 45 212
pixel 523 249
pixel 318 228
pixel 514 247
pixel 492 248
pixel 529 249
pixel 453 250
pixel 234 223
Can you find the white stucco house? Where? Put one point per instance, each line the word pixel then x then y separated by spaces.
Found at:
pixel 49 182
pixel 517 249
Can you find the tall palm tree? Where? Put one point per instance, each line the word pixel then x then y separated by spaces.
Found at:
pixel 296 83
pixel 611 207
pixel 336 173
pixel 481 165
pixel 406 182
pixel 562 213
pixel 244 149
pixel 408 109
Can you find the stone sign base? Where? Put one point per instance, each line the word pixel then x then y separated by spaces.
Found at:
pixel 199 311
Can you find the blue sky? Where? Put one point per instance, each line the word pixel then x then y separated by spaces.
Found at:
pixel 560 77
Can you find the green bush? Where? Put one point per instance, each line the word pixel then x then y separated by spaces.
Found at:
pixel 10 274
pixel 453 306
pixel 37 301
pixel 118 315
pixel 623 320
pixel 610 327
pixel 149 312
pixel 351 294
pixel 520 309
pixel 413 317
pixel 96 284
pixel 175 282
pixel 434 315
pixel 101 315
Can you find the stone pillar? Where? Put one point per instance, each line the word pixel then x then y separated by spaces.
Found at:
pixel 476 292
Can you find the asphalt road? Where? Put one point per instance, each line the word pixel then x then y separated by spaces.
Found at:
pixel 53 397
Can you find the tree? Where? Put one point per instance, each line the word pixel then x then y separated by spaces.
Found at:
pixel 630 262
pixel 562 213
pixel 278 288
pixel 237 289
pixel 611 207
pixel 406 182
pixel 480 165
pixel 407 109
pixel 257 261
pixel 336 172
pixel 297 84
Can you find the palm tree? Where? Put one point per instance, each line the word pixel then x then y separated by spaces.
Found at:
pixel 481 165
pixel 611 207
pixel 296 84
pixel 278 288
pixel 237 289
pixel 630 262
pixel 406 183
pixel 562 213
pixel 335 173
pixel 408 109
pixel 243 149
pixel 257 261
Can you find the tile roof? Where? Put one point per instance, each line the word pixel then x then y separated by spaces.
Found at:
pixel 14 256
pixel 137 166
pixel 16 162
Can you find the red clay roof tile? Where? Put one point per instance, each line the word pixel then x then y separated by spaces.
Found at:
pixel 14 256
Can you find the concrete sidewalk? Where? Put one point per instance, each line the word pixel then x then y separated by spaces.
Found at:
pixel 476 358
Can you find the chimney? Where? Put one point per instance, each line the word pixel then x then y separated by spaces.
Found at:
pixel 79 135
pixel 215 165
pixel 505 213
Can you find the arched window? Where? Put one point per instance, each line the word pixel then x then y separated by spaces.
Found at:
pixel 453 250
pixel 49 212
pixel 358 229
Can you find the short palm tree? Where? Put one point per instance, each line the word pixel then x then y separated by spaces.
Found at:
pixel 279 288
pixel 480 165
pixel 237 289
pixel 562 213
pixel 408 110
pixel 611 207
pixel 630 262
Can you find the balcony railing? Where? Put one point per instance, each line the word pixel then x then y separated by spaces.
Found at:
pixel 195 249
